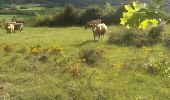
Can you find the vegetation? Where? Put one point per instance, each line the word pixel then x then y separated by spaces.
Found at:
pixel 37 64
pixel 51 63
pixel 140 15
pixel 72 16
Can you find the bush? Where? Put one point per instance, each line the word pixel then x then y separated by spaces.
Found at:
pixel 90 13
pixel 23 7
pixel 155 32
pixel 74 16
pixel 118 14
pixel 158 64
pixel 91 56
pixel 56 50
pixel 133 37
pixel 166 39
pixel 13 7
pixel 168 21
pixel 128 37
pixel 41 20
pixel 7 47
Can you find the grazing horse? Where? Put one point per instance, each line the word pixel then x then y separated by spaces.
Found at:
pixel 98 30
pixel 97 21
pixel 10 28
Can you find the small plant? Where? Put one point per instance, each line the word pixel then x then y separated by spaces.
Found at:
pixel 155 32
pixel 118 66
pixel 91 56
pixel 158 64
pixel 74 70
pixel 22 50
pixel 34 51
pixel 23 7
pixel 56 50
pixel 43 58
pixel 7 47
pixel 72 65
pixel 166 39
pixel 146 50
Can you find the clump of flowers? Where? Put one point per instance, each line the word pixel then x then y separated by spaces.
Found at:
pixel 74 70
pixel 7 47
pixel 72 65
pixel 100 50
pixel 81 60
pixel 146 50
pixel 56 50
pixel 91 56
pixel 35 51
pixel 158 64
pixel 118 66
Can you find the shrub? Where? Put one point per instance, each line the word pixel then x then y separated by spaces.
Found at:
pixel 22 50
pixel 168 21
pixel 13 7
pixel 166 39
pixel 118 14
pixel 7 47
pixel 125 37
pixel 155 32
pixel 131 38
pixel 91 56
pixel 71 64
pixel 35 51
pixel 93 12
pixel 56 50
pixel 43 58
pixel 67 17
pixel 118 66
pixel 23 7
pixel 41 20
pixel 158 64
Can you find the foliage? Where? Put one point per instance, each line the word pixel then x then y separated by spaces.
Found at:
pixel 140 15
pixel 158 64
pixel 118 15
pixel 155 32
pixel 7 47
pixel 35 51
pixel 166 39
pixel 92 12
pixel 60 78
pixel 75 16
pixel 91 56
pixel 133 37
pixel 23 7
pixel 108 9
pixel 55 50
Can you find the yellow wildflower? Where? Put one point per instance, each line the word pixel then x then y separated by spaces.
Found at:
pixel 146 50
pixel 34 51
pixel 118 65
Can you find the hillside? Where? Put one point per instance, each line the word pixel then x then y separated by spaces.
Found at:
pixel 62 2
pixel 75 2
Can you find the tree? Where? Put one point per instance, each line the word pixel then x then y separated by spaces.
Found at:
pixel 108 8
pixel 140 15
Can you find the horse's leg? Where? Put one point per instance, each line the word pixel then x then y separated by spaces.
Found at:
pixel 94 36
pixel 99 36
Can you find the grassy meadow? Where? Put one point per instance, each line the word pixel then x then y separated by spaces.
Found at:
pixel 28 74
pixel 65 63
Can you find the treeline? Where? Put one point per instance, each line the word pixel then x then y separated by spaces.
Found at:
pixel 63 2
pixel 72 16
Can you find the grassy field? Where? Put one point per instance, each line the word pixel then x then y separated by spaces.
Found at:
pixel 8 17
pixel 23 76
